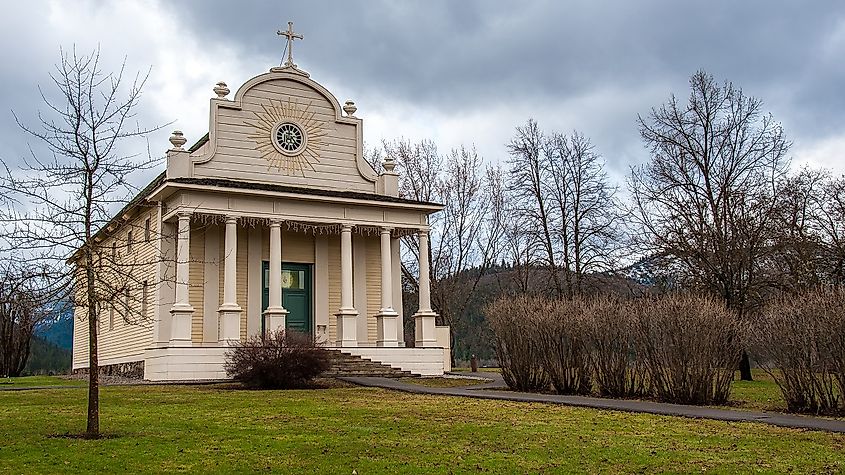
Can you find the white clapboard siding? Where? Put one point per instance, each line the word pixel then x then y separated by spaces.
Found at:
pixel 127 338
pixel 334 284
pixel 242 269
pixel 373 303
pixel 196 280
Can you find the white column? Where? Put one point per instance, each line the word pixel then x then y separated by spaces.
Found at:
pixel 386 271
pixel 346 302
pixel 424 319
pixel 230 311
pixel 396 265
pixel 275 315
pixel 387 318
pixel 182 311
pixel 424 281
pixel 347 334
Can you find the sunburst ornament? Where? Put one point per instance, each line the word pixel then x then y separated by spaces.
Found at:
pixel 288 136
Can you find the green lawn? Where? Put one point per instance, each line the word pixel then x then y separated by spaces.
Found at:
pixel 762 394
pixel 214 430
pixel 480 370
pixel 32 381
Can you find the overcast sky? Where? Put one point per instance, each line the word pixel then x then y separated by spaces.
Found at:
pixel 455 72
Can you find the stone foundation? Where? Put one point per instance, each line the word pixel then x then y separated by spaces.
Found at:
pixel 133 369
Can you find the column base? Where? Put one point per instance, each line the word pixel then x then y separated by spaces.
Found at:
pixel 182 315
pixel 387 321
pixel 347 327
pixel 230 322
pixel 274 319
pixel 424 329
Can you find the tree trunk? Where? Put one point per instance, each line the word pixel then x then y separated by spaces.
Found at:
pixel 745 367
pixel 93 428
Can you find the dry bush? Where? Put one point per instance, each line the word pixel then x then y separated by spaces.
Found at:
pixel 690 347
pixel 800 341
pixel 560 331
pixel 611 335
pixel 282 360
pixel 513 321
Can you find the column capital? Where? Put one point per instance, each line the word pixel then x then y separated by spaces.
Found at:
pixel 231 219
pixel 184 214
pixel 346 227
pixel 423 231
pixel 276 222
pixel 386 229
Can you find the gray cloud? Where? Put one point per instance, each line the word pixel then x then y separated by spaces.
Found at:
pixel 583 64
pixel 456 56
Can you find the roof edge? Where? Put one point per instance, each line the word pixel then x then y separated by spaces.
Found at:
pixel 257 186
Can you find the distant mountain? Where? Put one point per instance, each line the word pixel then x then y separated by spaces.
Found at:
pixel 58 328
pixel 653 271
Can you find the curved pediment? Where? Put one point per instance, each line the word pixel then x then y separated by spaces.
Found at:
pixel 284 128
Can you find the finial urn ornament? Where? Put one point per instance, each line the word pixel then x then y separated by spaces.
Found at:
pixel 178 140
pixel 389 164
pixel 222 90
pixel 349 107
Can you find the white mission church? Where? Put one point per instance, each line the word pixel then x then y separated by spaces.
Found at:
pixel 273 220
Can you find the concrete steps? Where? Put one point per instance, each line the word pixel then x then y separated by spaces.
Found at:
pixel 344 364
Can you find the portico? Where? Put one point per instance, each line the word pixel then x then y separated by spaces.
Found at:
pixel 338 328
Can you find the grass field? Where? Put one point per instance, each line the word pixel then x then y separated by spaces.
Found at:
pixel 762 394
pixel 215 430
pixel 30 381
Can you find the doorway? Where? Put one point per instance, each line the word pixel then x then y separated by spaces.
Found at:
pixel 296 295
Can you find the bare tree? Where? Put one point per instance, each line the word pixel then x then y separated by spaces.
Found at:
pixel 831 227
pixel 465 235
pixel 797 261
pixel 585 213
pixel 529 170
pixel 559 188
pixel 519 250
pixel 706 196
pixel 29 295
pixel 466 243
pixel 65 197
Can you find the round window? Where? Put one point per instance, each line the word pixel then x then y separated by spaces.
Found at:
pixel 289 138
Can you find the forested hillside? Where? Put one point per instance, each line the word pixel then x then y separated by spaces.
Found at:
pixel 47 358
pixel 471 334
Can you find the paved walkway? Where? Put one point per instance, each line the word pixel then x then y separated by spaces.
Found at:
pixel 27 388
pixel 493 390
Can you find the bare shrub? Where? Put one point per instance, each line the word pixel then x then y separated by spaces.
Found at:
pixel 282 360
pixel 513 321
pixel 611 334
pixel 690 346
pixel 560 334
pixel 800 341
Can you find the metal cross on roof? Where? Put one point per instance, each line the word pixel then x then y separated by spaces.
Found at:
pixel 290 36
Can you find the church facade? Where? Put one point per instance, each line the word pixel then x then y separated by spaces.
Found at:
pixel 273 220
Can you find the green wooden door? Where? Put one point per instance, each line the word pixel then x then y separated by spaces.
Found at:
pixel 296 295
